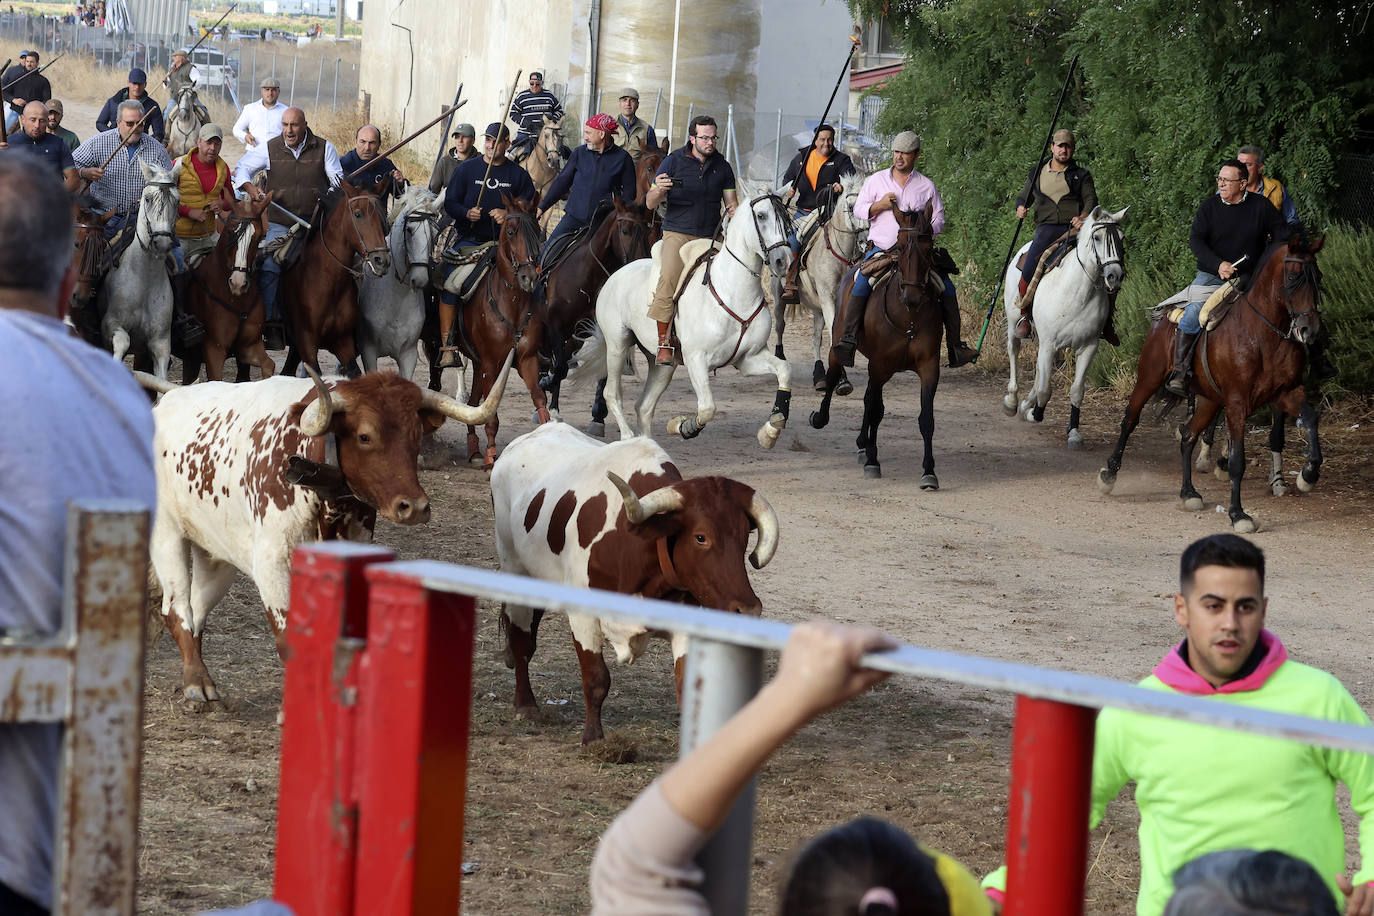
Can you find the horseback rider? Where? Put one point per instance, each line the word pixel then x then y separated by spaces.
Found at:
pixel 474 201
pixel 205 192
pixel 1231 225
pixel 528 110
pixel 1062 194
pixel 635 134
pixel 35 139
pixel 594 174
pixel 812 183
pixel 464 147
pixel 136 91
pixel 119 185
pixel 301 168
pixel 185 75
pixel 367 143
pixel 900 187
pixel 23 84
pixel 695 180
pixel 260 121
pixel 1270 188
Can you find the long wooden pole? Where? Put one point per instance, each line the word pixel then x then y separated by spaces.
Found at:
pixel 15 82
pixel 500 126
pixel 447 124
pixel 444 114
pixel 208 32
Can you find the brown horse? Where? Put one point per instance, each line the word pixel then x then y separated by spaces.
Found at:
pixel 650 158
pixel 89 254
pixel 222 295
pixel 901 330
pixel 320 293
pixel 1254 356
pixel 500 316
pixel 571 286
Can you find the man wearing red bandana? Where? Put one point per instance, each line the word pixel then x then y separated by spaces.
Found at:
pixel 595 173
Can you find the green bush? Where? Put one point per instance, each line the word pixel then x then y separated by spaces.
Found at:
pixel 1346 308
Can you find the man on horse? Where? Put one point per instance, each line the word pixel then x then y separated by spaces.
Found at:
pixel 185 76
pixel 1059 194
pixel 367 144
pixel 136 91
pixel 119 185
pixel 33 138
pixel 528 110
pixel 1229 234
pixel 205 192
pixel 814 183
pixel 260 121
pixel 464 147
pixel 900 187
pixel 695 180
pixel 635 134
pixel 55 125
pixel 300 167
pixel 594 174
pixel 474 201
pixel 1271 189
pixel 23 84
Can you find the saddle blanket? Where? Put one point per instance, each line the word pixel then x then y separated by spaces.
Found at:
pixel 472 264
pixel 1173 306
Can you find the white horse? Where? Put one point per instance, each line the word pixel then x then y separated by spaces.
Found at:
pixel 137 295
pixel 1069 311
pixel 392 306
pixel 183 124
pixel 722 320
pixel 834 248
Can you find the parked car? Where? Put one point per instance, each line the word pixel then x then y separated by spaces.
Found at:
pixel 215 71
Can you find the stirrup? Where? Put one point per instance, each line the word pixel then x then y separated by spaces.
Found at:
pixel 660 359
pixel 1023 328
pixel 449 358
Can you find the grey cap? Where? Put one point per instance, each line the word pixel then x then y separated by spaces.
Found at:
pixel 465 130
pixel 270 82
pixel 628 93
pixel 908 141
pixel 210 131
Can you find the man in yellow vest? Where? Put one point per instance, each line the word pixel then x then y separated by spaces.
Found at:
pixel 204 187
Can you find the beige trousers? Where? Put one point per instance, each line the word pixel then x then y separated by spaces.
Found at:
pixel 670 264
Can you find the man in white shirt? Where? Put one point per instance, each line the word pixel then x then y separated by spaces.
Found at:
pixel 261 121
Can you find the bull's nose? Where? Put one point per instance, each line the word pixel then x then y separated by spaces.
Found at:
pixel 410 511
pixel 750 609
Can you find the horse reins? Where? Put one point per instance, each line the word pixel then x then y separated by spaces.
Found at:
pixel 1308 274
pixel 1115 252
pixel 530 229
pixel 366 252
pixel 154 235
pixel 413 217
pixel 903 283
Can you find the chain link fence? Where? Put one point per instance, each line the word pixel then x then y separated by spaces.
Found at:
pixel 1355 177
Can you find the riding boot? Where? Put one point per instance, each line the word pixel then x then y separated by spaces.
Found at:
pixel 853 320
pixel 1023 324
pixel 1109 326
pixel 187 330
pixel 1184 345
pixel 448 354
pixel 960 353
pixel 665 344
pixel 790 294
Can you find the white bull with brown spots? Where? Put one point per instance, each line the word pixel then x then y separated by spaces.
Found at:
pixel 246 472
pixel 618 517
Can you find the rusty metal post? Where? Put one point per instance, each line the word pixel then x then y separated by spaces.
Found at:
pixel 316 810
pixel 105 593
pixel 415 702
pixel 1047 819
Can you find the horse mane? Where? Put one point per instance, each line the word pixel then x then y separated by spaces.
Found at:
pixel 852 182
pixel 415 198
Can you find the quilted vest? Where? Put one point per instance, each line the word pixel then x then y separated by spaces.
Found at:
pixel 195 197
pixel 299 182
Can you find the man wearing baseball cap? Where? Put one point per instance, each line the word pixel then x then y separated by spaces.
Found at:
pixel 136 91
pixel 205 192
pixel 528 110
pixel 260 121
pixel 595 173
pixel 23 84
pixel 464 147
pixel 55 125
pixel 635 134
pixel 900 187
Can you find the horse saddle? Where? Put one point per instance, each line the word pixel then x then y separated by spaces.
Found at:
pixel 287 249
pixel 472 263
pixel 1057 251
pixel 554 253
pixel 120 242
pixel 1216 307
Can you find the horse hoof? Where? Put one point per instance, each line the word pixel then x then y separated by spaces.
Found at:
pixel 930 482
pixel 1192 504
pixel 1075 439
pixel 1278 488
pixel 527 713
pixel 675 426
pixel 845 387
pixel 475 459
pixel 873 471
pixel 1106 482
pixel 1307 479
pixel 818 376
pixel 768 435
pixel 596 428
pixel 1038 413
pixel 818 420
pixel 1244 525
pixel 200 693
pixel 1221 473
pixel 1009 405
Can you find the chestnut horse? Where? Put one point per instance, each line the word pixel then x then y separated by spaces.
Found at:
pixel 650 158
pixel 1253 357
pixel 89 254
pixel 571 286
pixel 500 316
pixel 901 330
pixel 320 292
pixel 224 297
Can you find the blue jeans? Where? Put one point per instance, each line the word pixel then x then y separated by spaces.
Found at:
pixel 862 286
pixel 269 274
pixel 792 241
pixel 1043 238
pixel 567 224
pixel 1189 324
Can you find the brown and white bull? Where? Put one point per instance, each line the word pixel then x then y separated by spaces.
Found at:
pixel 619 517
pixel 245 472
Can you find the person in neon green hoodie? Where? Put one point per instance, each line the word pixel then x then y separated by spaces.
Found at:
pixel 1202 789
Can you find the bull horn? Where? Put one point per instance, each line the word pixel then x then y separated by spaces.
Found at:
pixel 152 382
pixel 316 417
pixel 766 520
pixel 639 508
pixel 455 409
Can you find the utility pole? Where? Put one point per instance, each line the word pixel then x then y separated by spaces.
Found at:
pixel 338 18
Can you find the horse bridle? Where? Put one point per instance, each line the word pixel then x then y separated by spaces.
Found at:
pixel 354 220
pixel 235 226
pixel 529 227
pixel 1116 251
pixel 780 210
pixel 903 284
pixel 414 217
pixel 1308 273
pixel 619 219
pixel 154 235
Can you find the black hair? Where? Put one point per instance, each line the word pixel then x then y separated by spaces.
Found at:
pixel 35 235
pixel 1242 881
pixel 823 128
pixel 1234 163
pixel 700 121
pixel 833 871
pixel 1229 550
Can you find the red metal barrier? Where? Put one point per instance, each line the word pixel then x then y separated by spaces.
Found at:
pixel 1047 820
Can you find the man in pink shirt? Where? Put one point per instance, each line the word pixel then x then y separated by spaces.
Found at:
pixel 898 188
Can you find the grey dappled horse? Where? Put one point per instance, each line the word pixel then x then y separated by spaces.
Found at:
pixel 137 295
pixel 393 305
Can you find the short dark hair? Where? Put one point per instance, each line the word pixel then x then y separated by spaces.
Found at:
pixel 36 237
pixel 1251 151
pixel 700 121
pixel 824 128
pixel 834 870
pixel 1242 881
pixel 1229 550
pixel 1234 163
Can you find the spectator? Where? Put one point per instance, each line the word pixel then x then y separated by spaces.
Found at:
pixel 1242 882
pixel 55 125
pixel 136 91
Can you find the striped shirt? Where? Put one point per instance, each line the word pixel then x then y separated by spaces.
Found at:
pixel 528 111
pixel 123 182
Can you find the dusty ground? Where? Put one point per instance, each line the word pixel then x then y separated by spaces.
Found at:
pixel 1016 557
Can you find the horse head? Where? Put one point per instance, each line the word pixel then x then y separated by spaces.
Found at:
pixel 768 226
pixel 413 230
pixel 1301 286
pixel 630 231
pixel 185 101
pixel 1100 240
pixel 246 229
pixel 844 218
pixel 915 261
pixel 551 142
pixel 520 243
pixel 157 207
pixel 363 210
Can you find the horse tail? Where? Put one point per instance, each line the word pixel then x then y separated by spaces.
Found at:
pixel 1167 402
pixel 589 362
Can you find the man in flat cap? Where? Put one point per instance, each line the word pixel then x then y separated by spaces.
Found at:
pixel 464 147
pixel 260 121
pixel 182 77
pixel 528 111
pixel 635 134
pixel 135 91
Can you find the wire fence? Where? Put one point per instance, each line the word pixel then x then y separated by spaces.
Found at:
pixel 1355 203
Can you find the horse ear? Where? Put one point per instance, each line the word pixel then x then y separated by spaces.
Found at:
pixel 146 170
pixel 347 187
pixel 380 185
pixel 1120 215
pixel 176 171
pixel 509 203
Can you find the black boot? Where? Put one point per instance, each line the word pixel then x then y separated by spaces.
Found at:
pixel 1184 345
pixel 187 330
pixel 853 320
pixel 960 353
